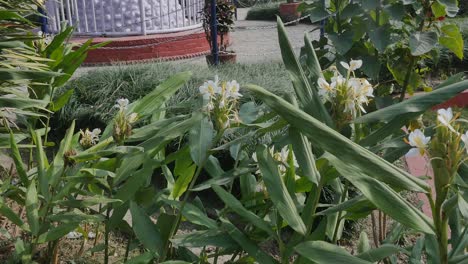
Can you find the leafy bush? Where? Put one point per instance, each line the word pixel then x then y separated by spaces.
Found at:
pixel 324 139
pixel 263 12
pixel 392 37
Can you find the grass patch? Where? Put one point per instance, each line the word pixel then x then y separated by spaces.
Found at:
pixel 263 12
pixel 96 91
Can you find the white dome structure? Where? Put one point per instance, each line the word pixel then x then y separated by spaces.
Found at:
pixel 124 17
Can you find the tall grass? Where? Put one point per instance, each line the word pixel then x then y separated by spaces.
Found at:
pixel 96 91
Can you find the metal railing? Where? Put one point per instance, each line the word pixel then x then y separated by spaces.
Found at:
pixel 124 17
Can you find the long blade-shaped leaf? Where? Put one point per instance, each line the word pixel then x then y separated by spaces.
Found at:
pixel 307 95
pixel 415 104
pixel 145 230
pixel 32 205
pixel 278 191
pixel 330 140
pixel 248 245
pixel 21 170
pixel 323 252
pixel 200 139
pixel 383 196
pixel 239 209
pixel 154 100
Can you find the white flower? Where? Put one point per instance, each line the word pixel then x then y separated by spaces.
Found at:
pixel 337 81
pixel 232 89
pixel 121 103
pixel 285 154
pixel 350 106
pixel 445 116
pixel 464 138
pixel 325 87
pixel 95 135
pixel 210 88
pixel 353 65
pixel 132 117
pixel 418 141
pixel 89 138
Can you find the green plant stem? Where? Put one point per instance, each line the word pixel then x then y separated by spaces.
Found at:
pixel 96 232
pixel 340 213
pixel 407 78
pixel 186 196
pixel 410 68
pixel 127 249
pixel 106 235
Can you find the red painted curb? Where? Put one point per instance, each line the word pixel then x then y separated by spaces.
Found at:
pixel 170 46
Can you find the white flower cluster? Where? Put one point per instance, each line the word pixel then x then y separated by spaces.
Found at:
pixel 214 91
pixel 220 99
pixel 419 142
pixel 280 156
pixel 351 91
pixel 89 138
pixel 123 121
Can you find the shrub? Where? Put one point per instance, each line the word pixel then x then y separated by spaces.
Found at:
pixel 265 12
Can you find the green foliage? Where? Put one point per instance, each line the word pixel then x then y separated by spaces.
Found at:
pixel 263 12
pixel 96 178
pixel 394 38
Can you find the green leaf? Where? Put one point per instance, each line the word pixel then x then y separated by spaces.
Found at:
pixel 42 165
pixel 307 95
pixel 145 230
pixel 277 190
pixel 323 252
pixel 32 207
pixel 184 171
pixel 452 39
pixel 438 9
pixel 356 207
pixel 329 140
pixel 383 196
pixel 10 215
pixel 144 258
pixel 239 209
pixel 342 42
pixel 416 252
pixel 211 237
pixel 380 36
pixel 61 100
pixel 380 253
pixel 363 243
pixel 20 169
pixel 451 6
pixel 370 4
pixel 195 215
pixel 305 156
pixel 153 101
pixel 248 245
pixel 416 104
pixel 134 183
pixel 422 42
pixel 57 232
pixel 18 74
pixel 200 141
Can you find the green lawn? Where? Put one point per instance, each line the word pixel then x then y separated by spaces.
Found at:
pixel 96 91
